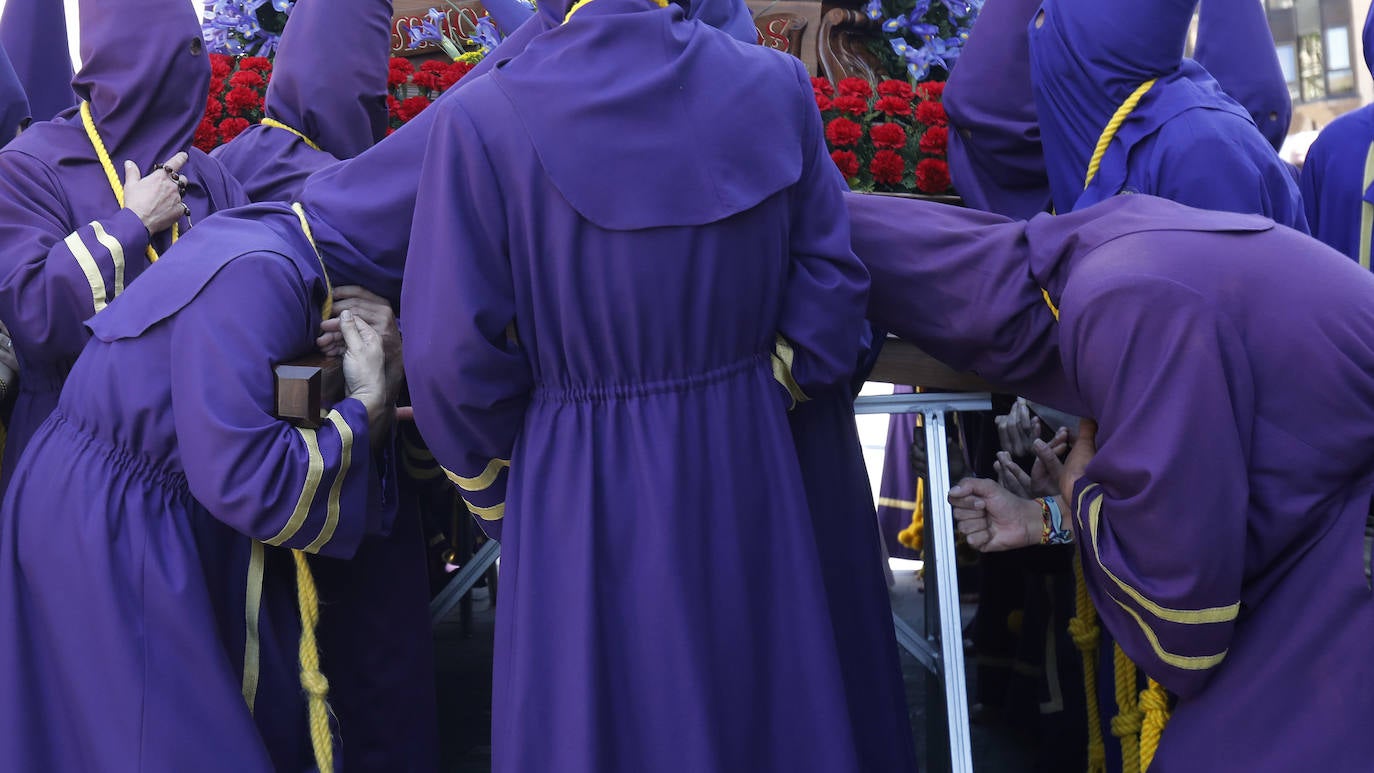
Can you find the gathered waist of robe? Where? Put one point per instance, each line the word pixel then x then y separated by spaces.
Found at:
pixel 123 460
pixel 619 392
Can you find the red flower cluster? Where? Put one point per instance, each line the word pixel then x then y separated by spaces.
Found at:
pixel 412 90
pixel 890 138
pixel 238 88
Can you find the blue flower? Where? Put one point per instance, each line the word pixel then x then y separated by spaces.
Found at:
pixel 874 9
pixel 283 6
pixel 422 33
pixel 485 35
pixel 436 17
pixel 958 8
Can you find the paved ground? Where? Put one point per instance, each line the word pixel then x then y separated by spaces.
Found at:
pixel 464 667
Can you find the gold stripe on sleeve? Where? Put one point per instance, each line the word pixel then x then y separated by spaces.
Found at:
pixel 89 268
pixel 493 513
pixel 901 504
pixel 481 482
pixel 1186 616
pixel 116 251
pixel 331 519
pixel 312 484
pixel 1184 662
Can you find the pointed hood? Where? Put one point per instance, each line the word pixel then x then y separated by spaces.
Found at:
pixel 639 56
pixel 995 156
pixel 1367 40
pixel 14 105
pixel 509 14
pixel 34 34
pixel 145 72
pixel 1087 56
pixel 1235 45
pixel 338 101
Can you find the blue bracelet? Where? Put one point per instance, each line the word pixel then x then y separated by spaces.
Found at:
pixel 1058 535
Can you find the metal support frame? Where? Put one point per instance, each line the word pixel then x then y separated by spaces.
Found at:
pixel 462 582
pixel 948 662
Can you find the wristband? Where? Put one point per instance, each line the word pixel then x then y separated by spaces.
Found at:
pixel 1052 531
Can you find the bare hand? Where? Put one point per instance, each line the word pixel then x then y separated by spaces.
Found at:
pixel 992 518
pixel 156 198
pixel 376 312
pixel 7 356
pixel 1084 449
pixel 363 365
pixel 1018 429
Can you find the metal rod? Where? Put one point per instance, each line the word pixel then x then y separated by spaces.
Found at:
pixel 947 586
pixel 923 402
pixel 463 581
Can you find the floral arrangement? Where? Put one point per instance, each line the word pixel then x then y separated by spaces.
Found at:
pixel 245 27
pixel 238 88
pixel 439 28
pixel 238 92
pixel 413 89
pixel 922 38
pixel 892 139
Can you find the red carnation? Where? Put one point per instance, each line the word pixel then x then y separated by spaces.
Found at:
pixel 896 88
pixel 935 141
pixel 412 107
pixel 933 89
pixel 393 105
pixel 894 106
pixel 258 63
pixel 214 109
pixel 247 79
pixel 843 132
pixel 221 65
pixel 887 167
pixel 850 103
pixel 433 65
pixel 426 79
pixel 824 103
pixel 207 136
pixel 241 100
pixel 846 162
pixel 887 135
pixel 230 128
pixel 823 86
pixel 454 73
pixel 931 114
pixel 855 87
pixel 932 175
pixel 216 87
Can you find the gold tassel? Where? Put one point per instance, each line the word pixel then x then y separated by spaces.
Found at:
pixel 1154 704
pixel 1127 723
pixel 1083 628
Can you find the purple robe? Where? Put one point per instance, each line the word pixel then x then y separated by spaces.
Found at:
pixel 147 599
pixel 34 35
pixel 1335 188
pixel 69 248
pixel 631 634
pixel 995 156
pixel 508 15
pixel 1221 522
pixel 14 104
pixel 1235 45
pixel 343 113
pixel 1186 140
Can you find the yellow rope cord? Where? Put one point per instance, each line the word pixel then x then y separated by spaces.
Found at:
pixel 1154 705
pixel 275 124
pixel 577 6
pixel 1109 133
pixel 1083 628
pixel 111 174
pixel 1128 720
pixel 315 684
pixel 913 536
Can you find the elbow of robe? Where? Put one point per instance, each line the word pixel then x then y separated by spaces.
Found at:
pixel 1178 639
pixel 484 492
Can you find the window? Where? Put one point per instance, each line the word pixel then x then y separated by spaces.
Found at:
pixel 1314 45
